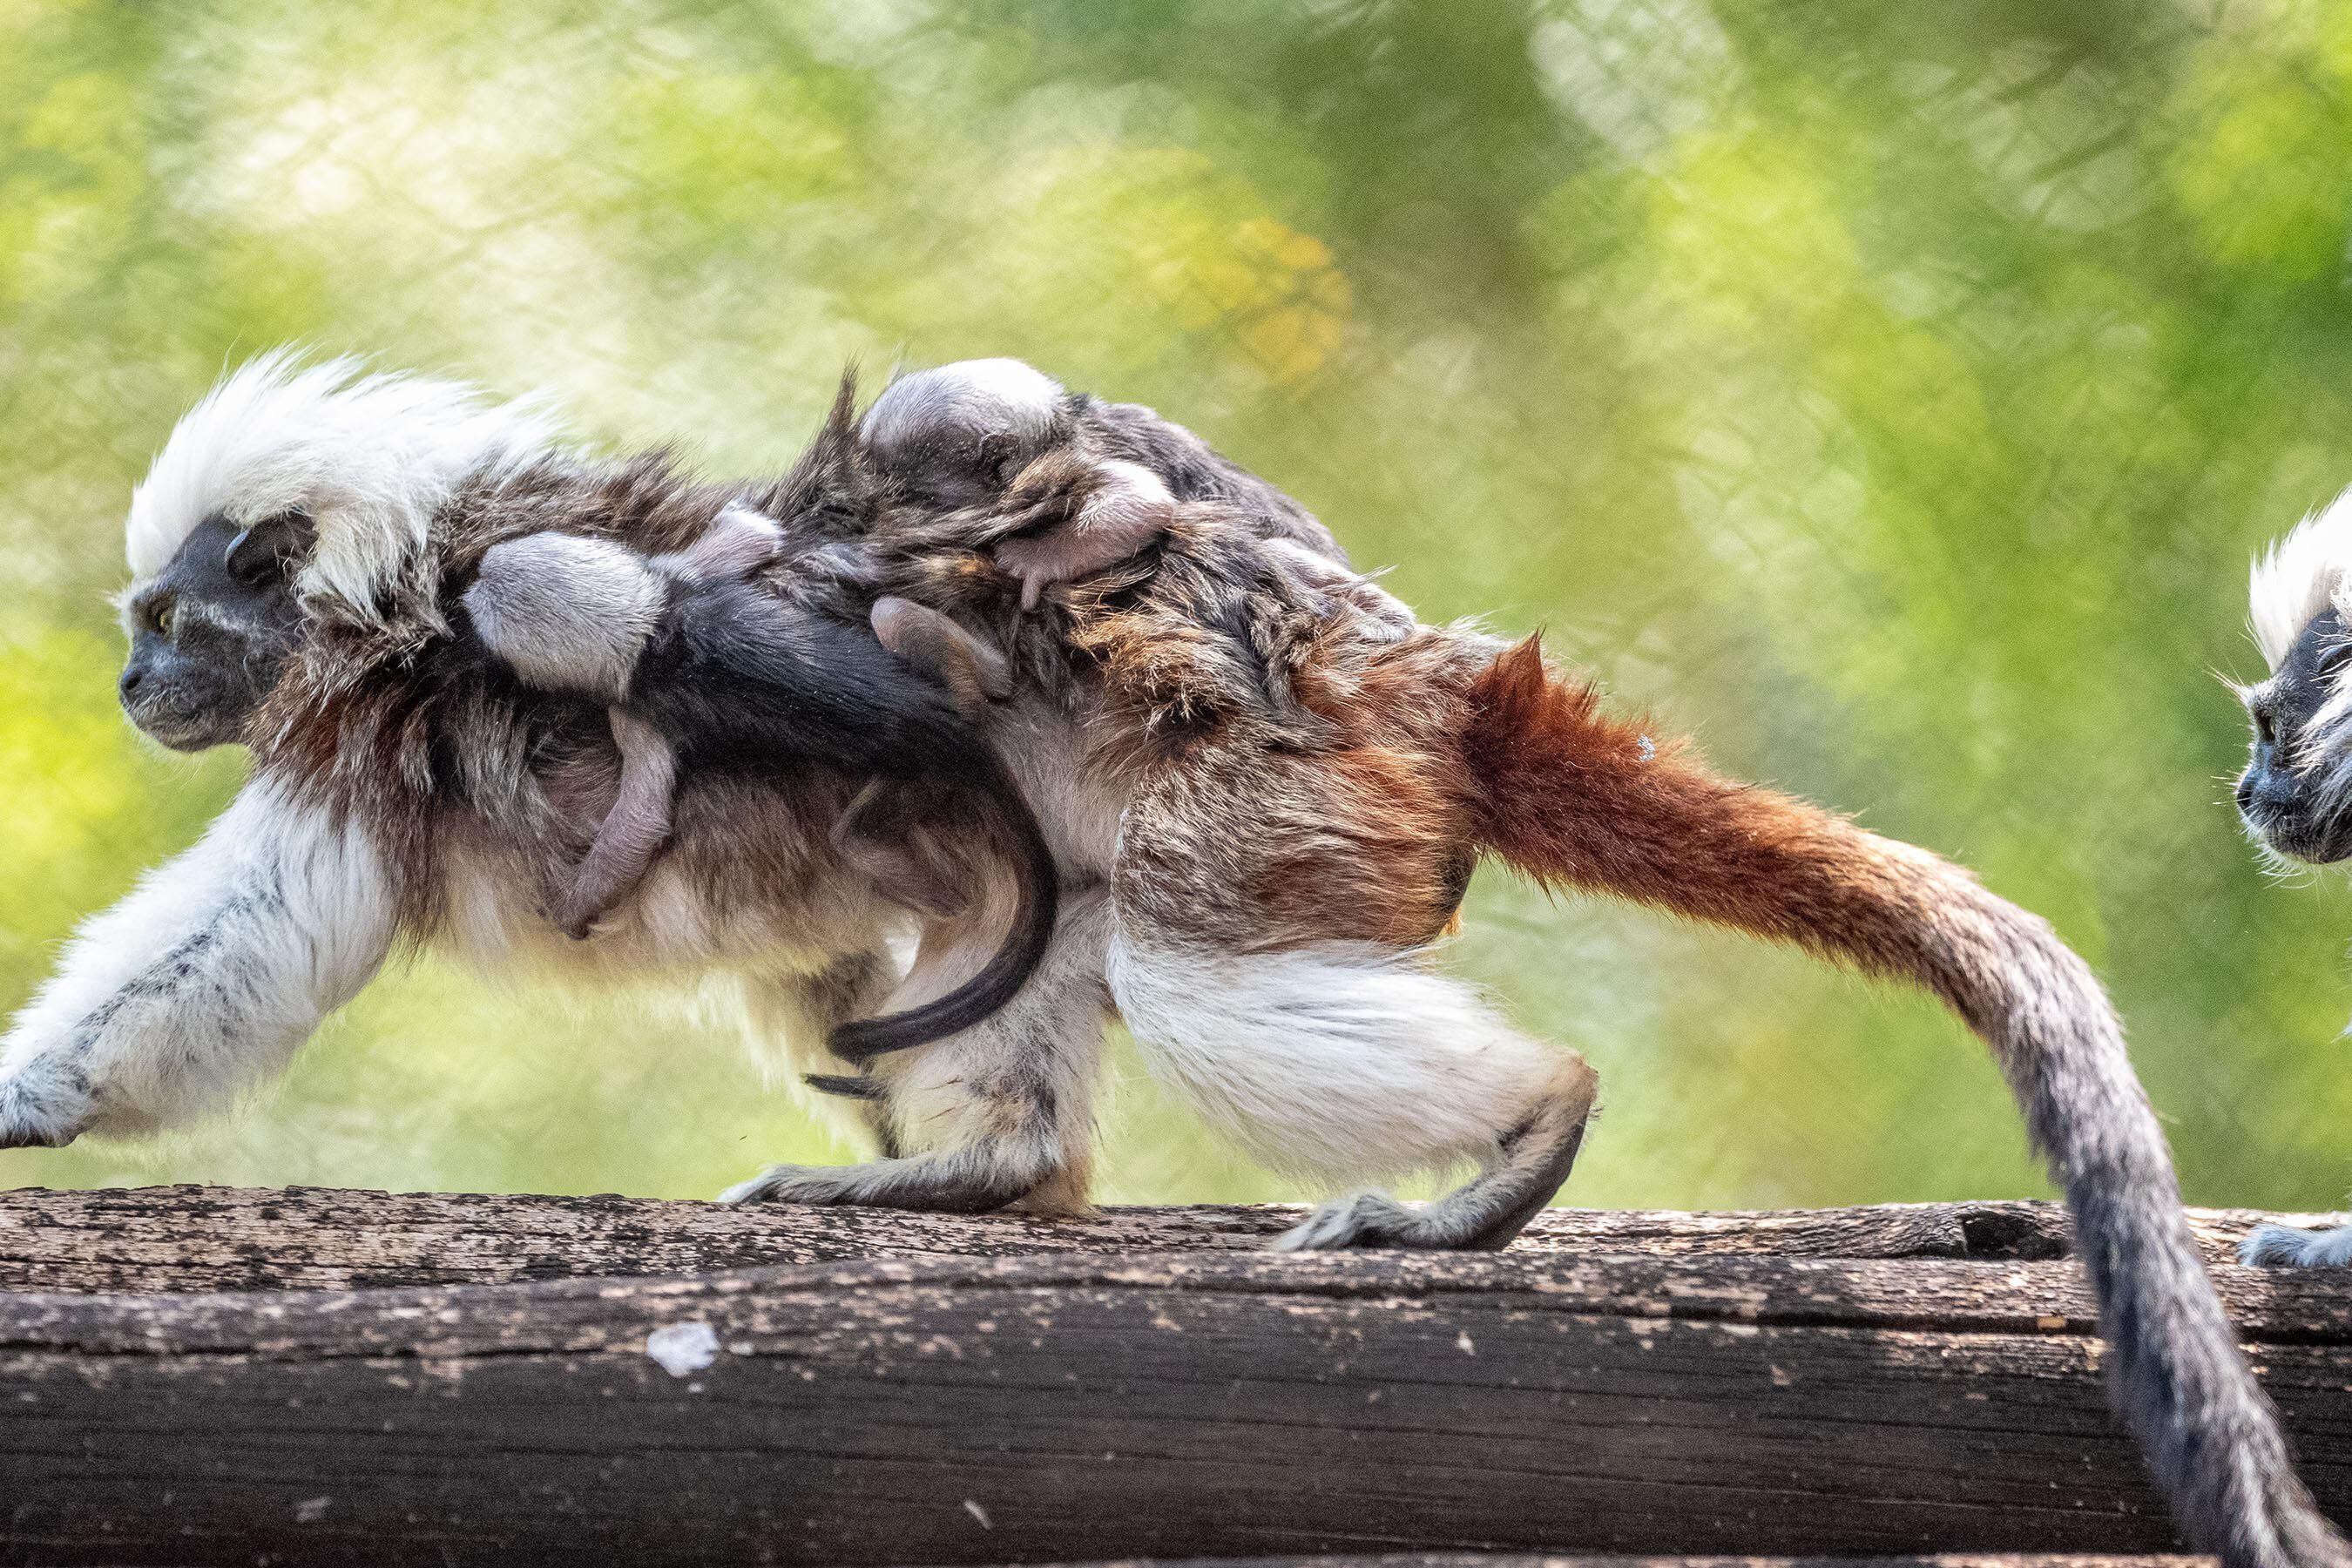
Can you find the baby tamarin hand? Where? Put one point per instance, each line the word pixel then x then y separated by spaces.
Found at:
pixel 1069 516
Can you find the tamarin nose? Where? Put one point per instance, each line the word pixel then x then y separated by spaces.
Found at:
pixel 2245 789
pixel 130 679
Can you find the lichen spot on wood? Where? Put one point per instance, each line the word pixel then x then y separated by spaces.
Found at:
pixel 683 1349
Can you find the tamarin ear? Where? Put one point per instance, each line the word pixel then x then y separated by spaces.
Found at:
pixel 269 547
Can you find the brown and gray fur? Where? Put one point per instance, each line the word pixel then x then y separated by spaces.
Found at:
pixel 1070 486
pixel 701 665
pixel 1280 803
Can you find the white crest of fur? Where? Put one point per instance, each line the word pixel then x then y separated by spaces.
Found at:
pixel 568 614
pixel 2300 576
pixel 370 457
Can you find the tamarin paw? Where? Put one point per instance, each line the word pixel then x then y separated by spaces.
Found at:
pixel 1365 1219
pixel 2280 1246
pixel 789 1185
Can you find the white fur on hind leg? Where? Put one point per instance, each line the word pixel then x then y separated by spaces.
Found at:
pixel 1340 1062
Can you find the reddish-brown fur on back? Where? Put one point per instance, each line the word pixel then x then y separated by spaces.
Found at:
pixel 1572 795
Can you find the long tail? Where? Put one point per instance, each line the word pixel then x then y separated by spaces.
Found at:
pixel 1573 798
pixel 1037 904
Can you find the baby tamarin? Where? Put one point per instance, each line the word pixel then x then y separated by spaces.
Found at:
pixel 697 663
pixel 1075 486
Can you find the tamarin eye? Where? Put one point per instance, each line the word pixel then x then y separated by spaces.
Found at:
pixel 165 617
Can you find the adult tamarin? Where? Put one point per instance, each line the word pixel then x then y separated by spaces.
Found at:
pixel 1275 870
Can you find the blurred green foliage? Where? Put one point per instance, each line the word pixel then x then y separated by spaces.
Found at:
pixel 1891 394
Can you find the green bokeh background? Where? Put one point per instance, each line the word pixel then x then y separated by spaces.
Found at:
pixel 1889 395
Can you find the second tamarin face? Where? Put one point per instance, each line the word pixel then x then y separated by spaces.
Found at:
pixel 2296 793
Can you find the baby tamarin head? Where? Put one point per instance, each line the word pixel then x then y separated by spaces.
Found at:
pixel 956 436
pixel 997 434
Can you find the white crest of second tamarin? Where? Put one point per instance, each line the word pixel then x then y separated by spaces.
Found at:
pixel 2302 575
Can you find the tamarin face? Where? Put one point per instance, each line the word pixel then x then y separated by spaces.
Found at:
pixel 210 633
pixel 2296 792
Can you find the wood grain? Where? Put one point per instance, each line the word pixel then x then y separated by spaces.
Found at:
pixel 213 1238
pixel 1657 1384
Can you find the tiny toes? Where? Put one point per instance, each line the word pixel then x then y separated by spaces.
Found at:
pixel 1366 1219
pixel 785 1184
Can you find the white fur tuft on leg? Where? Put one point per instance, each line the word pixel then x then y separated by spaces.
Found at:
pixel 1341 1062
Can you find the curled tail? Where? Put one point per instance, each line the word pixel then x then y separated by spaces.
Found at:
pixel 1572 797
pixel 1037 903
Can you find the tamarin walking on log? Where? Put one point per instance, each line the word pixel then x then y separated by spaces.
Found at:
pixel 1280 797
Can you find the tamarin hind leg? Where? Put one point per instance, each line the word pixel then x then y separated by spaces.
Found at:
pixel 1344 1061
pixel 1484 1214
pixel 789 1018
pixel 998 1114
pixel 1276 909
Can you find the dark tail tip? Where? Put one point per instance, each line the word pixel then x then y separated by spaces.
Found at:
pixel 862 1039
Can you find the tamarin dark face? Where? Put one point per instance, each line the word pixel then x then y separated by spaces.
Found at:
pixel 2296 792
pixel 209 635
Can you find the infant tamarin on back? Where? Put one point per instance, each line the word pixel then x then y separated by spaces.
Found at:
pixel 700 666
pixel 1074 485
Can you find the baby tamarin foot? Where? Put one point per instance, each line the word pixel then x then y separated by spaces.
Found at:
pixel 974 671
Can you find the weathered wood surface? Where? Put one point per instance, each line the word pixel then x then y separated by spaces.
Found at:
pixel 1634 1384
pixel 228 1238
pixel 1521 1560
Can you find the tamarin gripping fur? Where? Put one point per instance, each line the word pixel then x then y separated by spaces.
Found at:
pixel 699 666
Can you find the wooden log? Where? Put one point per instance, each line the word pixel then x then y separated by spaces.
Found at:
pixel 1520 1560
pixel 227 1238
pixel 1070 1405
